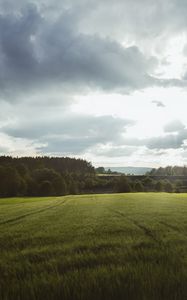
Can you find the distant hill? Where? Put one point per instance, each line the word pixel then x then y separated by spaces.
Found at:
pixel 130 170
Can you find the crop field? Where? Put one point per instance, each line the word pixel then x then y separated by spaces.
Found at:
pixel 117 246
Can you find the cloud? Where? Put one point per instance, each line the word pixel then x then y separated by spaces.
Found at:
pixel 111 150
pixel 3 150
pixel 173 140
pixel 53 52
pixel 170 141
pixel 36 53
pixel 44 48
pixel 173 126
pixel 167 141
pixel 39 53
pixel 71 133
pixel 18 146
pixel 150 21
pixel 158 103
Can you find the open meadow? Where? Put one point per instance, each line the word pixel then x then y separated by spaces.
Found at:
pixel 117 246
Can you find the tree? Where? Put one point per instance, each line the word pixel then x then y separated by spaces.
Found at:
pixel 73 188
pixel 26 175
pixel 10 181
pixel 64 189
pixel 168 187
pixel 32 187
pixel 46 188
pixel 122 185
pixel 159 186
pixel 22 169
pixel 89 183
pixel 100 170
pixel 138 187
pixel 22 187
pixel 45 174
pixel 148 183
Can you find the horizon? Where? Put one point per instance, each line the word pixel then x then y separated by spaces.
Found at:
pixel 94 81
pixel 95 166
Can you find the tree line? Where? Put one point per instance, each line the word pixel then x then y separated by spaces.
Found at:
pixel 43 176
pixel 56 176
pixel 169 171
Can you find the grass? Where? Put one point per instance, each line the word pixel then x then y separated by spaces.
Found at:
pixel 123 246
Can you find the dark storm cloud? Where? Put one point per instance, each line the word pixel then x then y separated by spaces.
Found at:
pixel 37 53
pixel 17 58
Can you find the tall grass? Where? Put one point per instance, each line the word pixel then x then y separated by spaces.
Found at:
pixel 124 246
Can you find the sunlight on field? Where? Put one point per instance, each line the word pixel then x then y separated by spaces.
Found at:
pixel 118 246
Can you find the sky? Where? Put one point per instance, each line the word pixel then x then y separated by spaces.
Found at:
pixel 102 80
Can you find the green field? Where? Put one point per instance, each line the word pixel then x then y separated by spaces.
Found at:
pixel 124 246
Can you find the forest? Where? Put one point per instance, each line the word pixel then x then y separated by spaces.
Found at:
pixel 57 176
pixel 43 176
